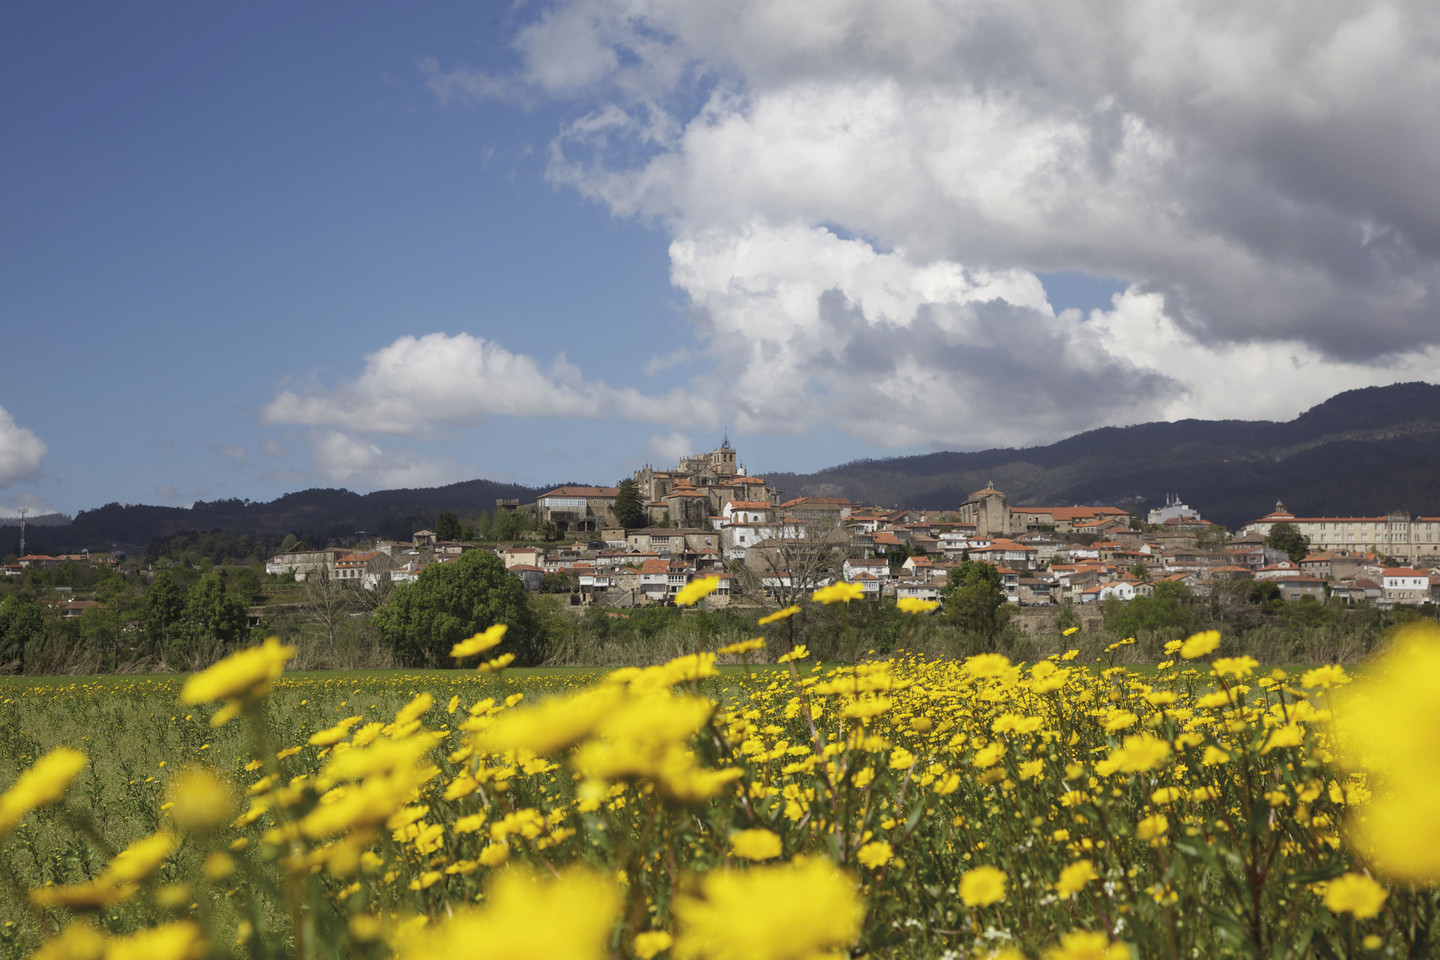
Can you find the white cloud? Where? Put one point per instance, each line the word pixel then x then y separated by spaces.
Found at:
pixel 860 201
pixel 341 459
pixel 21 452
pixel 668 448
pixel 237 454
pixel 33 504
pixel 418 383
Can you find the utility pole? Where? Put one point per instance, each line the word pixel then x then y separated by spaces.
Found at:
pixel 23 511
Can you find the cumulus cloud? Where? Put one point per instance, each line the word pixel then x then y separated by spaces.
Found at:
pixel 859 202
pixel 33 505
pixel 21 452
pixel 418 383
pixel 344 460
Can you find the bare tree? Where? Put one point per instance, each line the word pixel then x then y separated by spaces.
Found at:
pixel 796 559
pixel 327 601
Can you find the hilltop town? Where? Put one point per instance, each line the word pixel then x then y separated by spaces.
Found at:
pixel 706 516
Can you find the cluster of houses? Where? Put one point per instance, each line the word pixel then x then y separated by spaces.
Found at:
pixel 718 521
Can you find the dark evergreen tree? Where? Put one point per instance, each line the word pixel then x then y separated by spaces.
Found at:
pixel 629 511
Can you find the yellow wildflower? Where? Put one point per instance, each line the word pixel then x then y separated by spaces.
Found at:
pixel 524 917
pixel 739 647
pixel 1087 945
pixel 482 641
pixel 875 854
pixel 778 615
pixel 916 605
pixel 792 910
pixel 838 593
pixel 1355 893
pixel 696 590
pixel 1074 877
pixel 652 943
pixel 1199 644
pixel 982 886
pixel 757 844
pixel 44 783
pixel 246 673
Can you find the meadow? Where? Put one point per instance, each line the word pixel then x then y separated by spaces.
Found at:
pixel 893 806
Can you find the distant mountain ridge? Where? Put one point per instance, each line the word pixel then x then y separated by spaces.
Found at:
pixel 317 514
pixel 1363 451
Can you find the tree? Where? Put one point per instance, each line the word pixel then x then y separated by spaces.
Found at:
pixel 1287 537
pixel 452 601
pixel 213 614
pixel 795 560
pixel 629 511
pixel 164 607
pixel 447 526
pixel 975 597
pixel 22 621
pixel 326 601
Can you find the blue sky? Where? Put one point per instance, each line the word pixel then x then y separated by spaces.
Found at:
pixel 248 249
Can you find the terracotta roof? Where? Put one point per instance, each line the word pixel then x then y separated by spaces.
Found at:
pixel 581 492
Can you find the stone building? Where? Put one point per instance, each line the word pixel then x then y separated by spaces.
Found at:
pixel 699 487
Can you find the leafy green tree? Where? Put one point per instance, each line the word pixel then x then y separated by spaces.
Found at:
pixel 211 613
pixel 288 543
pixel 1287 537
pixel 164 608
pixel 975 598
pixel 447 526
pixel 22 621
pixel 1167 610
pixel 247 584
pixel 452 601
pixel 629 511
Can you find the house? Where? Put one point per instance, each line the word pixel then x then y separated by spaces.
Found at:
pixel 578 508
pixel 1405 585
pixel 917 590
pixel 1293 588
pixel 876 569
pixel 301 561
pixel 531 576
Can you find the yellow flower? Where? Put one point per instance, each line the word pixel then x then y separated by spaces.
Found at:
pixel 141 858
pixel 982 886
pixel 1198 645
pixel 877 853
pixel 242 676
pixel 1385 723
pixel 333 735
pixel 1355 893
pixel 696 590
pixel 784 912
pixel 1288 735
pixel 1087 945
pixel 1074 877
pixel 1324 677
pixel 182 940
pixel 482 641
pixel 524 918
pixel 742 646
pixel 799 653
pixel 916 605
pixel 987 664
pixel 1139 753
pixel 1069 631
pixel 838 593
pixel 651 943
pixel 778 615
pixel 78 941
pixel 758 844
pixel 1152 828
pixel 1235 666
pixel 44 783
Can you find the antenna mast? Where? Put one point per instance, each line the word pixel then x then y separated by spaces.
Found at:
pixel 23 511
